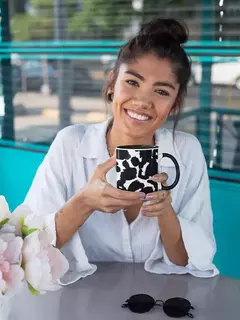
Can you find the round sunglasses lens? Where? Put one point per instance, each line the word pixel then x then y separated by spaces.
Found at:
pixel 176 307
pixel 140 303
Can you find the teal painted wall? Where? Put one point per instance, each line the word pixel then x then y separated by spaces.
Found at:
pixel 225 198
pixel 18 167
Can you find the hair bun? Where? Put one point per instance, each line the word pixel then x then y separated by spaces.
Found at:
pixel 166 27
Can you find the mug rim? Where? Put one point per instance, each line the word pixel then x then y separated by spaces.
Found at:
pixel 137 147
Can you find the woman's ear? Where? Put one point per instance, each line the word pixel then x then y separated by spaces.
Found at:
pixel 110 76
pixel 110 92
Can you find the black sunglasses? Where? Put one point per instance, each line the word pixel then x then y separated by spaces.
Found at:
pixel 174 307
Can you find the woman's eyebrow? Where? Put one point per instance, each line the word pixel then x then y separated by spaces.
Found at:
pixel 135 74
pixel 158 83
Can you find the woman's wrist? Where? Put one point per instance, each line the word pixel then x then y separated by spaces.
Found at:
pixel 80 205
pixel 171 237
pixel 70 218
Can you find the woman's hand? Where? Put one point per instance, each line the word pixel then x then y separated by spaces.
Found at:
pixel 99 195
pixel 158 205
pixel 158 202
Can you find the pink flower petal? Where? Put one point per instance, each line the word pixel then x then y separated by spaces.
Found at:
pixel 31 246
pixel 13 251
pixel 3 246
pixel 33 272
pixel 44 264
pixel 3 286
pixel 21 211
pixel 4 266
pixel 58 262
pixel 4 209
pixel 14 277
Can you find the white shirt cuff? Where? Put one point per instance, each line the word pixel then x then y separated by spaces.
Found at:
pixel 73 250
pixel 200 251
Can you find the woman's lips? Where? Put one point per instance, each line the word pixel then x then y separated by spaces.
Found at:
pixel 137 116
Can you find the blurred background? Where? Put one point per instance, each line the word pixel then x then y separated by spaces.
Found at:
pixel 55 56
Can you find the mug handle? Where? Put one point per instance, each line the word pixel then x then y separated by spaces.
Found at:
pixel 167 155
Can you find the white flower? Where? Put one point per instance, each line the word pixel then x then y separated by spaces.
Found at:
pixel 11 273
pixel 24 213
pixel 43 264
pixel 4 209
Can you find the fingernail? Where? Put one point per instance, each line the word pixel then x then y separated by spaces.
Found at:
pixel 149 196
pixel 147 203
pixel 144 212
pixel 142 196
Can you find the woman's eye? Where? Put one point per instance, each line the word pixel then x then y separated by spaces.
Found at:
pixel 132 82
pixel 162 92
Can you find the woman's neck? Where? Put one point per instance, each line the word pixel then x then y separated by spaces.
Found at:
pixel 114 139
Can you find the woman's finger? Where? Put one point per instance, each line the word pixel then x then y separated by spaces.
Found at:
pixel 112 202
pixel 150 202
pixel 160 177
pixel 156 209
pixel 110 191
pixel 158 195
pixel 103 168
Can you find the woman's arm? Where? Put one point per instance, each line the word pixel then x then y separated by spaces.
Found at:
pixel 70 218
pixel 171 236
pixel 191 230
pixel 159 205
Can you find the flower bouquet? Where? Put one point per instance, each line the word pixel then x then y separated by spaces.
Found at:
pixel 26 255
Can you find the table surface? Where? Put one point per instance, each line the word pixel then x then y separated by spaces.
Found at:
pixel 100 296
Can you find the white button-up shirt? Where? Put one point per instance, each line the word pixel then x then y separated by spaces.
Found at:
pixel 68 165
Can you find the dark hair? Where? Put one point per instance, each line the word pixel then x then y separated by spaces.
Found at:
pixel 164 38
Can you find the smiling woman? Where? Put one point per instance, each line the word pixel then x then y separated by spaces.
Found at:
pixel 75 186
pixel 156 65
pixel 143 97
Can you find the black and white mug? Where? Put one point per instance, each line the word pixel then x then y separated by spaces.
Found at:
pixel 136 164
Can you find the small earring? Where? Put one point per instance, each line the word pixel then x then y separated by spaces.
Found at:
pixel 110 96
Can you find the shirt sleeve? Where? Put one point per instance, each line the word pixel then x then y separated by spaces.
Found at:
pixel 48 193
pixel 196 221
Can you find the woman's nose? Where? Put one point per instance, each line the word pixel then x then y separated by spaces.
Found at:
pixel 142 103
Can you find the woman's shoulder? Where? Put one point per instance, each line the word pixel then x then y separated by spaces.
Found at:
pixel 190 150
pixel 180 139
pixel 186 140
pixel 73 136
pixel 185 145
pixel 72 133
pixel 69 137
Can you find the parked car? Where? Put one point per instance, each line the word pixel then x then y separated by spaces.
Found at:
pixel 29 76
pixel 223 73
pixel 31 71
pixel 79 79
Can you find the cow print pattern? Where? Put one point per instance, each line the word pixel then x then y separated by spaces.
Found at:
pixel 135 167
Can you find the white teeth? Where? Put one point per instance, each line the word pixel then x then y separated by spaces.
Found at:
pixel 137 116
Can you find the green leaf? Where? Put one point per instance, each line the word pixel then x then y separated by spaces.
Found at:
pixel 22 221
pixel 25 231
pixel 23 265
pixel 32 230
pixel 3 222
pixel 32 290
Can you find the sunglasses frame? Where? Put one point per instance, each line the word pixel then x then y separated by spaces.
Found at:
pixel 174 307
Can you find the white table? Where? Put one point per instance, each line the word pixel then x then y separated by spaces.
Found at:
pixel 100 296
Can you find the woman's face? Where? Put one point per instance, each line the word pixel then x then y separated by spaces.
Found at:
pixel 144 94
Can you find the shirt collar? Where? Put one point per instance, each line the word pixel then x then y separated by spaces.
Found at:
pixel 93 144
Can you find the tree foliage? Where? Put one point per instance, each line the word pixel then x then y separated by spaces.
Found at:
pixel 85 18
